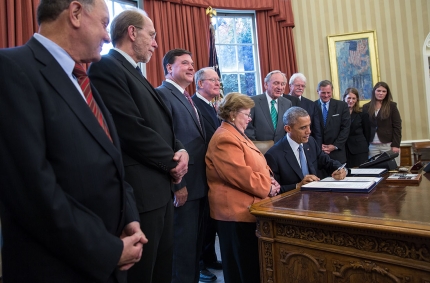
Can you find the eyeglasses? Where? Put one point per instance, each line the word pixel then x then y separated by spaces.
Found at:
pixel 212 80
pixel 249 115
pixel 302 86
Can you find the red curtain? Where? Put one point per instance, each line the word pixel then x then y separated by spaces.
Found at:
pixel 177 26
pixel 276 46
pixel 17 22
pixel 181 24
pixel 175 29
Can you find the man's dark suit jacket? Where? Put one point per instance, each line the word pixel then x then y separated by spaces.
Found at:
pixel 336 130
pixel 295 101
pixel 261 127
pixel 286 168
pixel 313 112
pixel 192 136
pixel 144 126
pixel 63 201
pixel 210 119
pixel 390 129
pixel 357 144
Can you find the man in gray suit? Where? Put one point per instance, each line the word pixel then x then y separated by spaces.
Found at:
pixel 269 107
pixel 190 193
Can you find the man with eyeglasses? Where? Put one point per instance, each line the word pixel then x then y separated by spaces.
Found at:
pixel 297 88
pixel 269 107
pixel 207 88
pixel 153 158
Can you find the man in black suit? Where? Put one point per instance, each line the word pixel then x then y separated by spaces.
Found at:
pixel 67 214
pixel 208 87
pixel 284 158
pixel 335 122
pixel 297 86
pixel 266 123
pixel 295 101
pixel 153 157
pixel 191 192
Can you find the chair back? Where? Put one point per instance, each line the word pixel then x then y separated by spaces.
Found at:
pixel 263 146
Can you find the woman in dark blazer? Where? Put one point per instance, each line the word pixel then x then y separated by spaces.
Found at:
pixel 357 144
pixel 385 121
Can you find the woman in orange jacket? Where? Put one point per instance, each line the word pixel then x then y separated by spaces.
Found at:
pixel 238 176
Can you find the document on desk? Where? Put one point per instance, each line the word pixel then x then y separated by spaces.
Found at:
pixel 352 179
pixel 376 172
pixel 351 185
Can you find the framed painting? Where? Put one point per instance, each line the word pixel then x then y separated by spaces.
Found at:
pixel 354 63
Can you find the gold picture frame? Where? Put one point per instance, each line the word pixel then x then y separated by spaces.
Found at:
pixel 354 62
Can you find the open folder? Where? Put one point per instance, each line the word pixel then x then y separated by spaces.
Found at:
pixel 375 172
pixel 349 184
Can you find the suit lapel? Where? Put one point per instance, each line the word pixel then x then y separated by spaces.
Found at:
pixel 321 114
pixel 331 111
pixel 241 138
pixel 207 112
pixel 68 92
pixel 291 157
pixel 127 65
pixel 282 107
pixel 264 105
pixel 182 99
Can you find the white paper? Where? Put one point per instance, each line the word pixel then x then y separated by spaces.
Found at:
pixel 352 179
pixel 367 171
pixel 340 185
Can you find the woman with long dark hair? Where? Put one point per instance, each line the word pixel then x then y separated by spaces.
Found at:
pixel 357 144
pixel 385 121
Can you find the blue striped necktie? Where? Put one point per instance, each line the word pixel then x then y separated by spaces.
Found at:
pixel 325 112
pixel 303 163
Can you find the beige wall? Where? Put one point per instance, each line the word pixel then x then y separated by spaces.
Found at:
pixel 401 28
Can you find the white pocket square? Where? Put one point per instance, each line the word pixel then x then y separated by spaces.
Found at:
pixel 335 115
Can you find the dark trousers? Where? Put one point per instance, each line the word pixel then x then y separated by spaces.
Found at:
pixel 156 261
pixel 187 241
pixel 239 251
pixel 208 254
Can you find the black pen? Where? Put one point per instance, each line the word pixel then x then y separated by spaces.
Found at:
pixel 341 167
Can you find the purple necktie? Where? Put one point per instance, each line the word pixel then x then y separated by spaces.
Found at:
pixel 188 97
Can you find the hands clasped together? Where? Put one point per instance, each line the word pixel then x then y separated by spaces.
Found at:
pixel 133 240
pixel 274 188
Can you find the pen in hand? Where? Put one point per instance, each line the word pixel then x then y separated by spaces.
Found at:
pixel 341 167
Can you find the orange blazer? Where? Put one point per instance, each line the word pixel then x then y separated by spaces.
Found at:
pixel 237 175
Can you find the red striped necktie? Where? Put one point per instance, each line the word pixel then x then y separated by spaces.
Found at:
pixel 84 83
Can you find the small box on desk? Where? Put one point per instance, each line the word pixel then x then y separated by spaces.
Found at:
pixel 404 178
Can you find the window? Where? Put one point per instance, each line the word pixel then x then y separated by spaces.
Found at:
pixel 236 46
pixel 115 7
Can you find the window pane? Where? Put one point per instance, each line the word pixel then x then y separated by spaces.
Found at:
pixel 230 83
pixel 228 62
pixel 246 57
pixel 225 30
pixel 244 30
pixel 237 52
pixel 115 7
pixel 247 84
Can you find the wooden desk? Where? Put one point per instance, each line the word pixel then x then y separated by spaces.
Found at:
pixel 383 236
